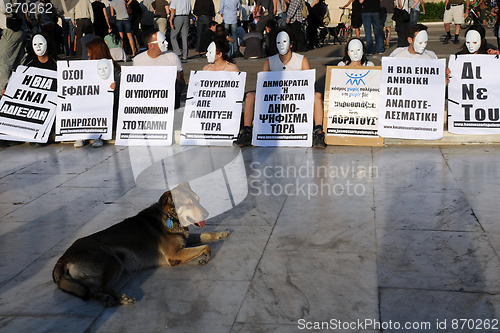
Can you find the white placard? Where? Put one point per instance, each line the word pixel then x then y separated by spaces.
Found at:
pixel 213 108
pixel 284 105
pixel 354 96
pixel 412 98
pixel 474 94
pixel 85 103
pixel 28 106
pixel 146 112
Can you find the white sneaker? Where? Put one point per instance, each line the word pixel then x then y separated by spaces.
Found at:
pixel 79 143
pixel 97 143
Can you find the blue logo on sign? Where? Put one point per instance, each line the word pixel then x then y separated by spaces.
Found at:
pixel 356 79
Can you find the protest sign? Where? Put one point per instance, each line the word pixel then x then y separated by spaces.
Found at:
pixel 146 112
pixel 213 108
pixel 85 103
pixel 284 104
pixel 474 95
pixel 412 98
pixel 352 96
pixel 28 106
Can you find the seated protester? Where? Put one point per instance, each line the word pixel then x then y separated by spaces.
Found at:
pixel 218 58
pixel 285 60
pixel 115 44
pixel 355 54
pixel 253 42
pixel 97 50
pixel 417 37
pixel 158 55
pixel 475 41
pixel 220 33
pixel 41 57
pixel 207 38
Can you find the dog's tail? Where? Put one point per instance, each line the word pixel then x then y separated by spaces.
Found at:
pixel 66 283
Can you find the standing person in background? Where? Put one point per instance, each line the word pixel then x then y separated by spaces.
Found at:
pixel 229 9
pixel 403 22
pixel 101 25
pixel 279 13
pixel 294 20
pixel 356 19
pixel 123 22
pixel 83 18
pixel 68 28
pixel 314 21
pixel 415 10
pixel 370 15
pixel 267 10
pixel 454 11
pixel 147 17
pixel 204 11
pixel 179 22
pixel 208 37
pixel 162 11
pixel 386 22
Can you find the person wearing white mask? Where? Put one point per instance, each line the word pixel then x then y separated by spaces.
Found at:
pixel 285 60
pixel 475 41
pixel 158 55
pixel 41 57
pixel 355 54
pixel 418 38
pixel 218 59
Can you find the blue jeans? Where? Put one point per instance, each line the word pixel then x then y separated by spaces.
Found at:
pixel 68 36
pixel 231 32
pixel 372 20
pixel 414 14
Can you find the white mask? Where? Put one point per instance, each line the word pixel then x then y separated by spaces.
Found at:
pixel 355 50
pixel 473 41
pixel 420 41
pixel 162 42
pixel 211 53
pixel 104 68
pixel 39 44
pixel 283 43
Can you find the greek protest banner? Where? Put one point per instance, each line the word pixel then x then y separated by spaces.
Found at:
pixel 412 98
pixel 85 103
pixel 28 106
pixel 213 108
pixel 474 95
pixel 284 105
pixel 352 98
pixel 146 111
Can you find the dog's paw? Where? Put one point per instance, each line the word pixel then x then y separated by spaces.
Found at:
pixel 204 258
pixel 222 234
pixel 109 300
pixel 126 300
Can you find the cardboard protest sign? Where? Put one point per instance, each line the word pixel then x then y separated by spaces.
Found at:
pixel 85 104
pixel 284 104
pixel 352 96
pixel 213 108
pixel 28 106
pixel 412 98
pixel 146 111
pixel 474 95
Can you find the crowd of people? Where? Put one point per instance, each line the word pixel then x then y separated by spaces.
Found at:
pixel 273 29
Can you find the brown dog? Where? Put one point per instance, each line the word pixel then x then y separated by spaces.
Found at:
pixel 157 236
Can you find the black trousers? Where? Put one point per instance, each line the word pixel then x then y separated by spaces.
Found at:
pixel 83 26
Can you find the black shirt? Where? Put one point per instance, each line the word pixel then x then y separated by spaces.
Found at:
pixel 34 62
pixel 371 6
pixel 206 39
pixel 204 8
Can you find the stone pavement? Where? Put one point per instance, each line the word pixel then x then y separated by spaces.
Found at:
pixel 359 238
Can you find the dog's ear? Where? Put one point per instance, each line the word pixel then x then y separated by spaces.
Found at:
pixel 166 199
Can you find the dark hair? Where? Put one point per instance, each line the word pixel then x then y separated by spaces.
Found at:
pixel 252 27
pixel 115 33
pixel 415 29
pixel 98 49
pixel 221 30
pixel 347 60
pixel 223 46
pixel 483 49
pixel 212 23
pixel 271 23
pixel 148 34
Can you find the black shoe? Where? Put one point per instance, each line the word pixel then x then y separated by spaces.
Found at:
pixel 245 137
pixel 446 39
pixel 456 41
pixel 319 139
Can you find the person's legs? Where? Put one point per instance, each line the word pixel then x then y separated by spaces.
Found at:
pixel 184 36
pixel 318 133
pixel 367 25
pixel 162 22
pixel 379 38
pixel 11 45
pixel 202 25
pixel 245 134
pixel 173 35
pixel 414 15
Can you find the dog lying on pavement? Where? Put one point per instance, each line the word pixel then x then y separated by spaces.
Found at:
pixel 157 236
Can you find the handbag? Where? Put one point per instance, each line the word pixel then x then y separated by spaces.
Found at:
pixel 129 10
pixel 14 23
